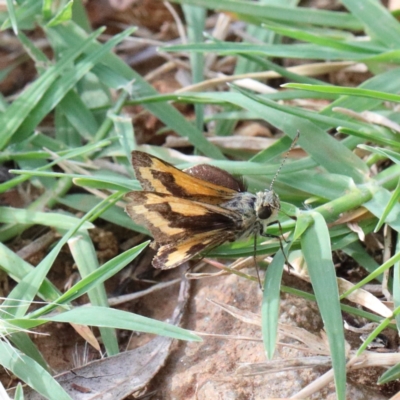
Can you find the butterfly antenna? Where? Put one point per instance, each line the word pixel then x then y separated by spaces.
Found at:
pixel 284 160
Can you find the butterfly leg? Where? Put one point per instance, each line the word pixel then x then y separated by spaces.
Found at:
pixel 280 244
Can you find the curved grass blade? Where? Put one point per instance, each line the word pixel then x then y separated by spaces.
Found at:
pixel 391 374
pixel 111 318
pixel 341 90
pixel 72 35
pixel 287 14
pixel 271 300
pixel 30 372
pixel 387 31
pixel 316 248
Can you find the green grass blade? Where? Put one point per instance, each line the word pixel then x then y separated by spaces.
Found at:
pixel 21 216
pixel 29 286
pixel 286 14
pixel 116 215
pixel 63 15
pixel 391 374
pixel 65 83
pixel 124 129
pixel 323 148
pixel 377 205
pixel 396 284
pixel 24 343
pixel 394 198
pixel 316 248
pixel 386 82
pixel 385 266
pixel 72 35
pixel 30 372
pixel 26 102
pixel 195 20
pixel 359 253
pixel 12 16
pixel 110 318
pixel 301 34
pixel 85 257
pixel 393 155
pixel 387 31
pixel 297 50
pixel 271 301
pixel 25 15
pixel 106 271
pixel 16 268
pixel 340 90
pixel 78 114
pixel 19 393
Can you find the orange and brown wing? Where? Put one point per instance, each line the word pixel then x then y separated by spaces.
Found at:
pixel 157 175
pixel 182 227
pixel 172 255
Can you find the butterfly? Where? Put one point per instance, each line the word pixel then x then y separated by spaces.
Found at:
pixel 192 211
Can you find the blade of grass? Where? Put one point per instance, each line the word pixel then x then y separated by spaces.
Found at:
pixel 100 275
pixel 387 31
pixel 85 257
pixel 24 343
pixel 26 102
pixel 63 84
pixel 281 13
pixel 29 286
pixel 31 372
pixel 396 284
pixel 107 317
pixel 313 140
pixel 21 216
pixel 195 20
pixel 315 244
pixel 25 15
pixel 298 50
pixel 72 35
pixel 64 14
pixel 301 34
pixel 271 301
pixel 12 16
pixel 111 318
pixel 116 215
pixel 340 90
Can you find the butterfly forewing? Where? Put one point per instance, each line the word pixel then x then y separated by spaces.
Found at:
pixel 171 218
pixel 157 175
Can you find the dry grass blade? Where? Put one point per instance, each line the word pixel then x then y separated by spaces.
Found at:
pixel 311 343
pixel 360 296
pixel 114 301
pixel 367 359
pixel 237 142
pixel 306 70
pixel 370 117
pixel 275 366
pixel 364 298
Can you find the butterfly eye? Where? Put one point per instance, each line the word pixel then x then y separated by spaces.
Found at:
pixel 264 212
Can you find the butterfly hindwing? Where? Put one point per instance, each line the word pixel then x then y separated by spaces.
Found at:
pixel 172 255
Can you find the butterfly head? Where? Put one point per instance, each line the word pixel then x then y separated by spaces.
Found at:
pixel 267 206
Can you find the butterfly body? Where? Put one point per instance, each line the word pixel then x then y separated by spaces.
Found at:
pixel 188 212
pixel 249 206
